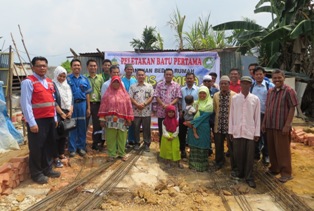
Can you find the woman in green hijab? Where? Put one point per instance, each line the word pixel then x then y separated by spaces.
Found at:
pixel 199 146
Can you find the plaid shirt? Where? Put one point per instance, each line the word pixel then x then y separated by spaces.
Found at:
pixel 278 104
pixel 167 93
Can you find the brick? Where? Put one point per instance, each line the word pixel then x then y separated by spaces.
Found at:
pixel 7 191
pixel 17 165
pixel 21 177
pixel 19 159
pixel 5 167
pixel 5 176
pixel 22 171
pixel 18 182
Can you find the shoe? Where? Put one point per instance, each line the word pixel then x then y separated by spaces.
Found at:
pixel 123 158
pixel 257 157
pixel 218 166
pixel 210 152
pixel 95 147
pixel 251 183
pixel 81 152
pixel 285 179
pixel 41 179
pixel 228 154
pixel 53 174
pixel 272 173
pixel 128 146
pixel 72 154
pixel 136 147
pixel 234 176
pixel 265 160
pixel 58 163
pixel 147 148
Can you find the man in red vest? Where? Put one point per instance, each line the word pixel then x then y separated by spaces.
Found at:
pixel 38 106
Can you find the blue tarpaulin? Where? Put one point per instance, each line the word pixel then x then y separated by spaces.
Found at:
pixel 10 136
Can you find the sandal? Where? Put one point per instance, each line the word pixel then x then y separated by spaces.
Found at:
pixel 123 158
pixel 110 159
pixel 62 157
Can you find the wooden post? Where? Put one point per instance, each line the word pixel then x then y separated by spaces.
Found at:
pixel 10 81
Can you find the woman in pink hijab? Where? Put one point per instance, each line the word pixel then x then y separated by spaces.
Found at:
pixel 116 114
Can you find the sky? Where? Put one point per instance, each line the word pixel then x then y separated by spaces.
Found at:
pixel 51 27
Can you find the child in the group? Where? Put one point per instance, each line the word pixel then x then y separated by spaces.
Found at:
pixel 189 112
pixel 170 145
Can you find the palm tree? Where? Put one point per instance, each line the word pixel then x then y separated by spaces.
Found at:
pixel 202 36
pixel 177 22
pixel 150 40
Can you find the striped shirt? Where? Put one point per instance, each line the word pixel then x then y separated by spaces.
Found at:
pixel 278 104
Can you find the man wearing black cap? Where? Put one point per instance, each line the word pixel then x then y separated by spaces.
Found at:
pixel 244 129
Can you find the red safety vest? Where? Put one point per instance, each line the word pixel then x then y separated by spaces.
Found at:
pixel 43 102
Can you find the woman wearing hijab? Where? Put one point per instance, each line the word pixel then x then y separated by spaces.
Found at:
pixel 116 114
pixel 170 145
pixel 64 107
pixel 199 147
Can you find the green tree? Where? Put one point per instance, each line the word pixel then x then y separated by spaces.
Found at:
pixel 203 37
pixel 151 40
pixel 177 22
pixel 286 42
pixel 67 65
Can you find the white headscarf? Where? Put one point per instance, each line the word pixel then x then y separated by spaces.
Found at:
pixel 63 88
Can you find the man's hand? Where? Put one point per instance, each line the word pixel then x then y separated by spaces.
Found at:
pixel 34 129
pixel 231 137
pixel 88 112
pixel 140 106
pixel 285 130
pixel 256 138
pixel 170 138
pixel 102 123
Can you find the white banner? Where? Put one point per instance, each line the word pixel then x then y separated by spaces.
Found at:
pixel 154 64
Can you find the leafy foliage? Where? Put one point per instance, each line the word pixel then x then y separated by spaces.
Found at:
pixel 151 40
pixel 286 43
pixel 66 65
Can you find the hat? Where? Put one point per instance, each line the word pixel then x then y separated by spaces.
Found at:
pixel 207 77
pixel 246 78
pixel 225 78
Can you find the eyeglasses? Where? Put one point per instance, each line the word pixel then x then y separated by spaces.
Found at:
pixel 206 81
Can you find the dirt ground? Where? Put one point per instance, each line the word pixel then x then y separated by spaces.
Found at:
pixel 153 185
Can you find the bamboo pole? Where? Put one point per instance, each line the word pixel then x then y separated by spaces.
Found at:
pixel 29 58
pixel 10 82
pixel 18 55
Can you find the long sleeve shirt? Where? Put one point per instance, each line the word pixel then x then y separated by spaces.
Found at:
pixel 245 117
pixel 26 99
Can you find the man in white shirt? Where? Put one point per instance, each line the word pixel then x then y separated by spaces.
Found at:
pixel 244 129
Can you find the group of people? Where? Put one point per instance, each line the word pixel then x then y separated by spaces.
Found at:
pixel 239 110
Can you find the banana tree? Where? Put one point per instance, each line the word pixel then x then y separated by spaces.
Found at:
pixel 286 42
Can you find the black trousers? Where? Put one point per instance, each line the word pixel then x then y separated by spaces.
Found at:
pixel 182 135
pixel 160 128
pixel 97 130
pixel 244 154
pixel 40 147
pixel 219 139
pixel 261 144
pixel 145 122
